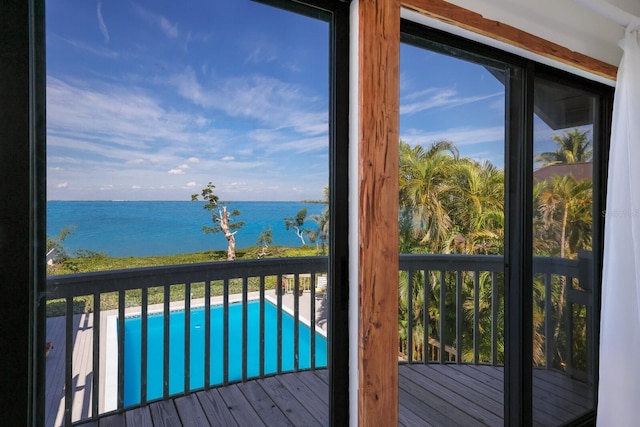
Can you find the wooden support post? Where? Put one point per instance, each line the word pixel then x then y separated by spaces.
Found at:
pixel 378 134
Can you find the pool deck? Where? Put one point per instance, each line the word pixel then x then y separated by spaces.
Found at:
pixel 436 394
pixel 83 348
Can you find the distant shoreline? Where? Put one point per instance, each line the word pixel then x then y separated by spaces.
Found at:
pixel 141 228
pixel 314 202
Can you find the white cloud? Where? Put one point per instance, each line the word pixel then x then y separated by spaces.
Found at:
pixel 270 101
pixel 126 115
pixel 227 158
pixel 191 184
pixel 170 30
pixel 135 187
pixel 264 135
pixel 460 136
pixel 98 51
pixel 261 53
pixel 124 123
pixel 176 172
pixel 433 98
pixel 101 25
pixel 62 185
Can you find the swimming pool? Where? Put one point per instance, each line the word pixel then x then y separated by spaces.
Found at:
pixel 176 352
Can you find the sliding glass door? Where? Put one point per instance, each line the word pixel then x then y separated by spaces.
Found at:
pixel 501 168
pixel 567 146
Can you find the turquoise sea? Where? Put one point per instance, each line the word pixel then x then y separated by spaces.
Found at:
pixel 128 228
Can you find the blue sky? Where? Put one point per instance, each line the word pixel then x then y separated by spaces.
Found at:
pixel 150 100
pixel 445 98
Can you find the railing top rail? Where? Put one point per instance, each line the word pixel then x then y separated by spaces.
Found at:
pixel 451 262
pixel 136 278
pixel 555 265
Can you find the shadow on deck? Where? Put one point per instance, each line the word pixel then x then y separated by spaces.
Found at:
pixel 430 395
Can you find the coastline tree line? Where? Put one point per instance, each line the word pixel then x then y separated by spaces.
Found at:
pixel 226 222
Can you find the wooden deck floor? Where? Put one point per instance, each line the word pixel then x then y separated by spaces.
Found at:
pixel 437 395
pixel 430 395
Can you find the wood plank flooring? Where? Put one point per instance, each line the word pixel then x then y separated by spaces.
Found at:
pixel 82 369
pixel 430 395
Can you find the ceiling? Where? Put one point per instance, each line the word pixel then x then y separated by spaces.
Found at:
pixel 560 21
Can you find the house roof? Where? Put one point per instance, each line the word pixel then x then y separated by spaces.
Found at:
pixel 579 171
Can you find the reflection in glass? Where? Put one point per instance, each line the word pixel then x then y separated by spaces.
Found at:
pixel 452 198
pixel 562 227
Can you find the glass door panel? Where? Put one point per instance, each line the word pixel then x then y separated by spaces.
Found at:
pixel 563 270
pixel 186 135
pixel 452 198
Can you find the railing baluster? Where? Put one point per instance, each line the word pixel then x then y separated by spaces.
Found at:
pixel 68 354
pixel 410 316
pixel 121 349
pixel 476 316
pixel 144 334
pixel 262 317
pixel 312 331
pixel 207 333
pixel 165 347
pixel 494 318
pixel 443 341
pixel 569 313
pixel 96 355
pixel 296 321
pixel 279 286
pixel 548 329
pixel 459 316
pixel 245 325
pixel 187 337
pixel 225 333
pixel 425 316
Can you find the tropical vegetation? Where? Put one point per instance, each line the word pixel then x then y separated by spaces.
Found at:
pixel 101 262
pixel 455 205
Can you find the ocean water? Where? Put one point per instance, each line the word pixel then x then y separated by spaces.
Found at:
pixel 127 228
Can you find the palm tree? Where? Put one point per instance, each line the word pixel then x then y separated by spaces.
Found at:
pixel 564 206
pixel 476 203
pixel 423 176
pixel 452 205
pixel 573 147
pixel 322 220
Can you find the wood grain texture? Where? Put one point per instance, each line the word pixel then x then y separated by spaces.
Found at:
pixel 216 409
pixel 164 414
pixel 472 21
pixel 190 411
pixel 378 134
pixel 434 394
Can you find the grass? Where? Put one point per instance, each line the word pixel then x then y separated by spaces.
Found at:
pixel 133 298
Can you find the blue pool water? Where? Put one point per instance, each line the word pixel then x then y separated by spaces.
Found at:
pixel 176 352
